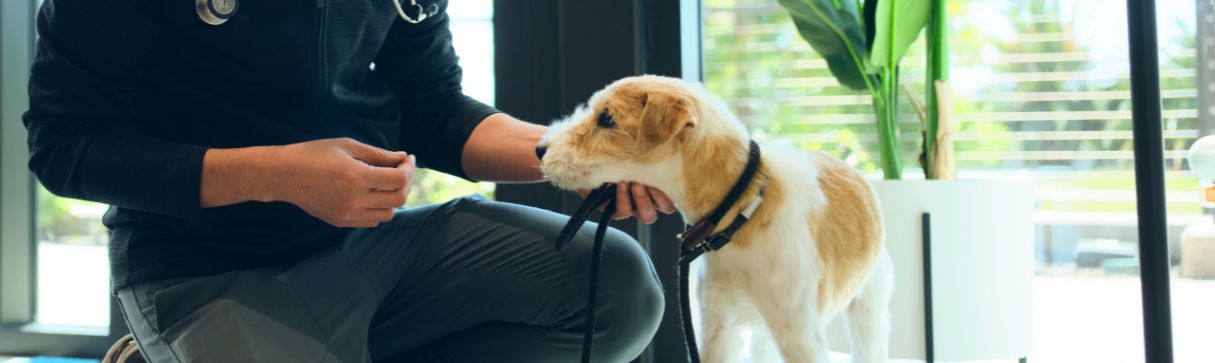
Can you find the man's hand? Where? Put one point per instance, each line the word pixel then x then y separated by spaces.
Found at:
pixel 344 182
pixel 340 181
pixel 639 200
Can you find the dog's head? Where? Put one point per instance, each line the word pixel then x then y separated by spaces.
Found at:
pixel 627 131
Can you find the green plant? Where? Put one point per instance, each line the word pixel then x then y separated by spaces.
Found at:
pixel 431 187
pixel 863 44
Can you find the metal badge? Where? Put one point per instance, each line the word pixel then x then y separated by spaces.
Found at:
pixel 215 12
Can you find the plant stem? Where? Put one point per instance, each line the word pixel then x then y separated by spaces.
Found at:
pixel 938 69
pixel 887 111
pixel 887 118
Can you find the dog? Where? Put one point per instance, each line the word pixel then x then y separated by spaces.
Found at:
pixel 813 249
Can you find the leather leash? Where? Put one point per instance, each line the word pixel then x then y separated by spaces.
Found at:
pixel 599 196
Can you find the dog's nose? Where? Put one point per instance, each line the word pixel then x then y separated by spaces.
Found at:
pixel 540 149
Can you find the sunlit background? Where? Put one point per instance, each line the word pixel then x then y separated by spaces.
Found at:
pixel 1042 91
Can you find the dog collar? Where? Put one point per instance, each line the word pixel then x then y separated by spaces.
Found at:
pixel 699 238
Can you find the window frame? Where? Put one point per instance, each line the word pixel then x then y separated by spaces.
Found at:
pixel 15 184
pixel 19 334
pixel 1148 144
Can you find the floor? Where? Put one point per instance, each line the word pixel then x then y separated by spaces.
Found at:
pixel 1077 319
pixel 1098 320
pixel 4 359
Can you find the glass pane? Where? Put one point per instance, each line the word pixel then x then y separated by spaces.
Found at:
pixel 472 30
pixel 73 265
pixel 1191 230
pixel 1041 94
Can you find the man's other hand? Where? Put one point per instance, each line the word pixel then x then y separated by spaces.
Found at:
pixel 638 200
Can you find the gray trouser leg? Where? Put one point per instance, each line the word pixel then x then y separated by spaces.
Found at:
pixel 466 281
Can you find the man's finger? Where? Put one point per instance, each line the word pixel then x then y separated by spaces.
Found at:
pixel 624 204
pixel 386 198
pixel 376 215
pixel 642 205
pixel 409 166
pixel 385 178
pixel 661 201
pixel 375 156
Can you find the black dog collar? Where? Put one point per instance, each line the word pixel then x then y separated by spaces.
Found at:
pixel 699 238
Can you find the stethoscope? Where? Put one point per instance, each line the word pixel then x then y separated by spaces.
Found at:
pixel 216 12
pixel 423 13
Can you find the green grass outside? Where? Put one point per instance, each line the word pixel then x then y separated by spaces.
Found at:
pixel 1178 183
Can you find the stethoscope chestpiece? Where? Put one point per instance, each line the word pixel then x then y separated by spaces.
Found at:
pixel 215 12
pixel 423 12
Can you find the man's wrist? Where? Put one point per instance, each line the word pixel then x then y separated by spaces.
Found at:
pixel 503 149
pixel 238 175
pixel 265 168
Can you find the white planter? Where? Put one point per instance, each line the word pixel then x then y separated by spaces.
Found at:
pixel 982 266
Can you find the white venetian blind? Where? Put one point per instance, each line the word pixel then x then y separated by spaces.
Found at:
pixel 1041 90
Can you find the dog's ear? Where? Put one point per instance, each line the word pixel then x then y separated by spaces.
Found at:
pixel 664 116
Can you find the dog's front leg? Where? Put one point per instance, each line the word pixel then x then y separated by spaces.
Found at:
pixel 723 317
pixel 763 347
pixel 791 313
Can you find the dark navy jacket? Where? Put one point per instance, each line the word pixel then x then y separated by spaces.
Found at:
pixel 126 96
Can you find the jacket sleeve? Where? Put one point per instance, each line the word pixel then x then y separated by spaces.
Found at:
pixel 81 141
pixel 418 62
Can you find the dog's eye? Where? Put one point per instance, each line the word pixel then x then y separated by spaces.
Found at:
pixel 606 121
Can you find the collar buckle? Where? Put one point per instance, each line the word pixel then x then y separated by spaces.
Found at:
pixel 696 235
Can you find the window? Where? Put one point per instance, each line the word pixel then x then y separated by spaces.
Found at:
pixel 73 266
pixel 472 30
pixel 1193 92
pixel 1041 91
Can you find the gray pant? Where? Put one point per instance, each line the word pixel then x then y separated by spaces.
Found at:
pixel 466 281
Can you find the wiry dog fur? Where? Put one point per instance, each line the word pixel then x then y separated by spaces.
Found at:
pixel 814 247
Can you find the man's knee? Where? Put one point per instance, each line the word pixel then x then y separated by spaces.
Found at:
pixel 632 302
pixel 627 269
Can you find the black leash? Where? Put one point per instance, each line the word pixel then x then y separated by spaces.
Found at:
pixel 685 314
pixel 599 196
pixel 697 240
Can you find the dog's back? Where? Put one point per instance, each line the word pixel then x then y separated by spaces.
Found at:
pixel 847 231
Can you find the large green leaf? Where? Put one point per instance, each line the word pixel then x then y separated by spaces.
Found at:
pixel 833 29
pixel 897 25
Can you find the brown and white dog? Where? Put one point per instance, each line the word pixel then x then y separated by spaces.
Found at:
pixel 814 247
